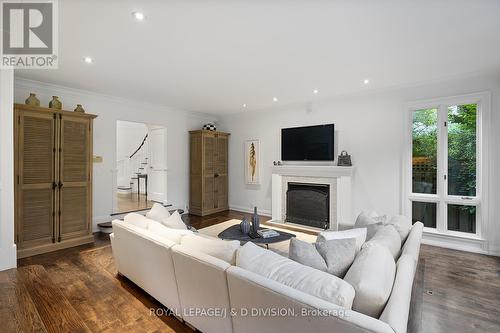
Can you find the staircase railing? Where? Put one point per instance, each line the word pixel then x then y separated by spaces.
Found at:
pixel 140 146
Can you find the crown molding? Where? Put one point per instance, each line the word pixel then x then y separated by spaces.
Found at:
pixel 48 88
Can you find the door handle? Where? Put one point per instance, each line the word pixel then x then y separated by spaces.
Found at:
pixel 60 185
pixel 216 175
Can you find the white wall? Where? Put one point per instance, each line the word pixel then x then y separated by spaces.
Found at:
pixel 371 127
pixel 7 246
pixel 109 110
pixel 129 136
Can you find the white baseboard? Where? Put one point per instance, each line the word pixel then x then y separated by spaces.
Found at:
pixel 461 244
pixel 264 212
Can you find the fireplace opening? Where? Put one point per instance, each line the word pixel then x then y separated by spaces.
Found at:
pixel 308 204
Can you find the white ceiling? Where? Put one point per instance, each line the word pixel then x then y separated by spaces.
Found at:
pixel 213 56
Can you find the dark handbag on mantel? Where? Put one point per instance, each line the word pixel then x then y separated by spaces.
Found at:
pixel 344 159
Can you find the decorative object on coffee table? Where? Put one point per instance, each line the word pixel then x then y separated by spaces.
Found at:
pixel 245 226
pixel 55 103
pixel 344 159
pixel 32 100
pixel 79 108
pixel 234 233
pixel 255 220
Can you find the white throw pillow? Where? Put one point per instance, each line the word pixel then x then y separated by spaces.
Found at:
pixel 174 235
pixel 364 219
pixel 137 219
pixel 388 237
pixel 402 224
pixel 222 249
pixel 288 272
pixel 358 233
pixel 174 221
pixel 372 276
pixel 158 213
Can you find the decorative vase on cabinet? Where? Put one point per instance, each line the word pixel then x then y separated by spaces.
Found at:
pixel 32 100
pixel 55 103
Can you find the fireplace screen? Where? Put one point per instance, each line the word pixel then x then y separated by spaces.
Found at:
pixel 308 204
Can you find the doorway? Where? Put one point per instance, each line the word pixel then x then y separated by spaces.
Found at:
pixel 141 167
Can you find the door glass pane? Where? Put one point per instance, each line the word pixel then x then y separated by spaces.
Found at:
pixel 424 212
pixel 462 120
pixel 424 158
pixel 462 218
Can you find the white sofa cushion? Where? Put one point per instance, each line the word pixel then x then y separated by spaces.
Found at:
pixel 358 233
pixel 222 249
pixel 174 221
pixel 174 235
pixel 288 272
pixel 401 223
pixel 333 256
pixel 372 275
pixel 388 237
pixel 137 220
pixel 365 218
pixel 158 213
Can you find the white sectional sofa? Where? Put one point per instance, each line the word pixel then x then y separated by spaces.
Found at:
pixel 216 296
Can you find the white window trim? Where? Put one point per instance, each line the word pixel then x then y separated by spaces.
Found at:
pixel 447 237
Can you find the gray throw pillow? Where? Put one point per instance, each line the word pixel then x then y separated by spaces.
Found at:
pixel 306 254
pixel 333 256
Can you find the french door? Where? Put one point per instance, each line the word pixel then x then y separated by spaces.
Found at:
pixel 446 166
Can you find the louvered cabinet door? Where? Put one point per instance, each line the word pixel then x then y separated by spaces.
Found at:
pixel 221 175
pixel 208 152
pixel 35 193
pixel 74 178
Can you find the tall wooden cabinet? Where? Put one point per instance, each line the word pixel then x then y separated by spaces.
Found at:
pixel 53 179
pixel 208 172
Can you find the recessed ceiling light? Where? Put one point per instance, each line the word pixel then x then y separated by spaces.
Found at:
pixel 88 60
pixel 366 81
pixel 138 16
pixel 244 105
pixel 315 91
pixel 275 99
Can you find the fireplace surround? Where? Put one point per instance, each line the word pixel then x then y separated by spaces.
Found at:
pixel 338 180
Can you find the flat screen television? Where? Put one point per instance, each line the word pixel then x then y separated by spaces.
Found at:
pixel 311 143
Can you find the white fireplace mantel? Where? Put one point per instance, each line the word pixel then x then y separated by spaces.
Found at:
pixel 326 171
pixel 339 179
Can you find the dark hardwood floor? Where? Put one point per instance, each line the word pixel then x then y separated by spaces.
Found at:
pixel 78 290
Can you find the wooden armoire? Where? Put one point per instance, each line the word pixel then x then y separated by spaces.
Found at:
pixel 208 172
pixel 53 179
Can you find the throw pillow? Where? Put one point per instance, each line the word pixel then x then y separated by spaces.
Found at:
pixel 388 237
pixel 306 254
pixel 222 249
pixel 174 221
pixel 358 233
pixel 364 219
pixel 371 229
pixel 137 219
pixel 174 235
pixel 402 224
pixel 338 254
pixel 311 281
pixel 158 212
pixel 372 276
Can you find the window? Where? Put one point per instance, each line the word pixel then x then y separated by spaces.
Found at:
pixel 445 165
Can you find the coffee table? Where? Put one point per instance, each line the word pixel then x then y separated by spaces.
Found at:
pixel 234 233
